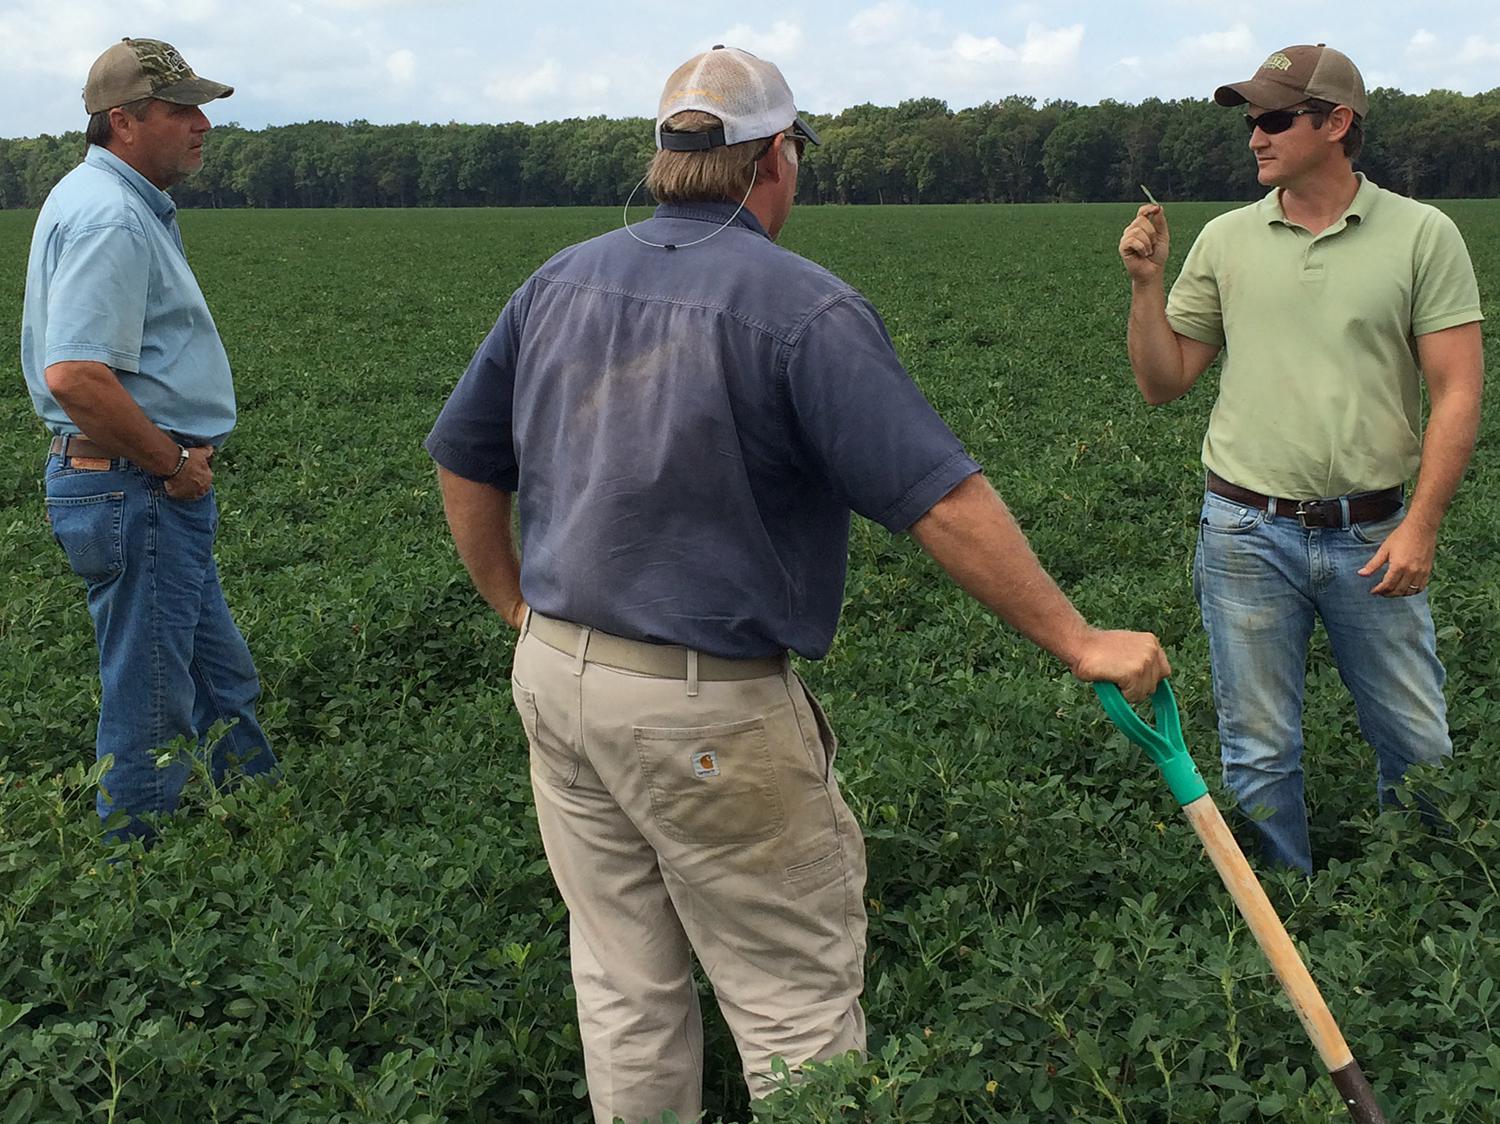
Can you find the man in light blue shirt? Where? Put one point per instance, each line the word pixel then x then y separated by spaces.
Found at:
pixel 126 369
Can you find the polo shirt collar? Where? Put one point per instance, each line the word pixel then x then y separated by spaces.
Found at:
pixel 717 213
pixel 1358 209
pixel 158 200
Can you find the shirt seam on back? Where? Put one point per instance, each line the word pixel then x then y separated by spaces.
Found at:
pixel 739 317
pixel 781 375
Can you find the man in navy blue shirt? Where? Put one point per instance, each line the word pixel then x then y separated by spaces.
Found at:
pixel 688 414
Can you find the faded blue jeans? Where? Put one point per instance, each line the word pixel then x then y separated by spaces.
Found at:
pixel 1261 583
pixel 172 664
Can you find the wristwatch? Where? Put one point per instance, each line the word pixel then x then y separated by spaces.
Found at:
pixel 182 459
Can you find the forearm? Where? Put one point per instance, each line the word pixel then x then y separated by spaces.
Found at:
pixel 479 519
pixel 1452 429
pixel 1155 353
pixel 92 397
pixel 971 534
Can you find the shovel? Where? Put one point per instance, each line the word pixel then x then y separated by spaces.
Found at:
pixel 1163 743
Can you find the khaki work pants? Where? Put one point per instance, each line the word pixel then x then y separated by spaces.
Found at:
pixel 681 819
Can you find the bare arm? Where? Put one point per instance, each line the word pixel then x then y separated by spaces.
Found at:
pixel 1165 363
pixel 91 395
pixel 970 533
pixel 479 518
pixel 1453 366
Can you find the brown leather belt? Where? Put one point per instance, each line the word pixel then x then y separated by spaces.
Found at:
pixel 1364 507
pixel 78 451
pixel 78 446
pixel 662 661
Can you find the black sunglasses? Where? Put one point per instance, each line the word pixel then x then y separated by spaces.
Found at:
pixel 796 138
pixel 1279 120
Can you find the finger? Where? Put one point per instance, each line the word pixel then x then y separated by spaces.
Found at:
pixel 1381 557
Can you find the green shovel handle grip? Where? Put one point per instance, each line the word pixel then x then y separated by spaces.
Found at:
pixel 1163 742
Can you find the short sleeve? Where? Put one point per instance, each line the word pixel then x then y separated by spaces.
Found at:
pixel 96 298
pixel 1445 293
pixel 874 437
pixel 1193 309
pixel 474 436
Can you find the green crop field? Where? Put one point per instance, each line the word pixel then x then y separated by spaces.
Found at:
pixel 377 939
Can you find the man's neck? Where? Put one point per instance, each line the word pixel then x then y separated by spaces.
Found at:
pixel 1319 201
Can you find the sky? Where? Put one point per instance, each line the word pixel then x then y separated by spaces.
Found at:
pixel 388 61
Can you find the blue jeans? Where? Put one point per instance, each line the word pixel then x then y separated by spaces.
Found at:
pixel 171 661
pixel 1261 583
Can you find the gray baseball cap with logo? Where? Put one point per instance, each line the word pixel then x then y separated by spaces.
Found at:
pixel 146 68
pixel 1294 74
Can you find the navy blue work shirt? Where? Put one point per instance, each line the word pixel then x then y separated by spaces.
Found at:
pixel 688 431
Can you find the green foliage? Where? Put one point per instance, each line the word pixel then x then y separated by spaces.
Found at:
pixel 1436 145
pixel 378 939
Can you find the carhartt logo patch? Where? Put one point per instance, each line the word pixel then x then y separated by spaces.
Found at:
pixel 705 764
pixel 1278 61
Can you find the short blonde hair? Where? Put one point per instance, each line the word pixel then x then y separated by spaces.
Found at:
pixel 705 174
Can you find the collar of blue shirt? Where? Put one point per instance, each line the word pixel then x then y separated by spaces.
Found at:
pixel 717 213
pixel 157 199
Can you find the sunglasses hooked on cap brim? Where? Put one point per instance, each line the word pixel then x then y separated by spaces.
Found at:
pixel 674 141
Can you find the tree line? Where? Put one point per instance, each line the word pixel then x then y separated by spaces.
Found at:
pixel 1435 145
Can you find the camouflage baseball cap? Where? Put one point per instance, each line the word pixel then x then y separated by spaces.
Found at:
pixel 146 68
pixel 1294 74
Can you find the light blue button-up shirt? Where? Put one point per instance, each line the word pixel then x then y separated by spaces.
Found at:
pixel 108 281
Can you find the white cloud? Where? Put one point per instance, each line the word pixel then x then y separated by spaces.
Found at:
pixel 548 91
pixel 783 40
pixel 38 37
pixel 1476 48
pixel 1054 47
pixel 885 22
pixel 1043 49
pixel 525 87
pixel 401 65
pixel 1422 42
pixel 1235 43
pixel 988 51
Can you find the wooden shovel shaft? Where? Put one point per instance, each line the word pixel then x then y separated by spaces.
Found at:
pixel 1295 979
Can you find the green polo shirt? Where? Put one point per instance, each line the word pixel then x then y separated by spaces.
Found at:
pixel 1320 393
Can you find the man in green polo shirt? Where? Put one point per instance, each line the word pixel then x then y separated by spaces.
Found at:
pixel 1332 301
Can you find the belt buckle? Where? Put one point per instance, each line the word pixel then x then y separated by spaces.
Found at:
pixel 1304 509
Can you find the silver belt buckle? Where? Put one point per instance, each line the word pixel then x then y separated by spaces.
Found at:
pixel 1303 511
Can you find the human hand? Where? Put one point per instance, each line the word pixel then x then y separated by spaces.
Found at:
pixel 1145 244
pixel 1407 554
pixel 514 614
pixel 1132 661
pixel 196 477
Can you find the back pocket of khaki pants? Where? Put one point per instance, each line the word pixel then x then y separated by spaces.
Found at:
pixel 712 784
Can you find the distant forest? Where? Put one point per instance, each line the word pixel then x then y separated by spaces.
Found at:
pixel 1434 145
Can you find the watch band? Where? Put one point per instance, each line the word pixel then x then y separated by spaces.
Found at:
pixel 182 459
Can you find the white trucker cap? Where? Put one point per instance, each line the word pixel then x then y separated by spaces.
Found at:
pixel 746 93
